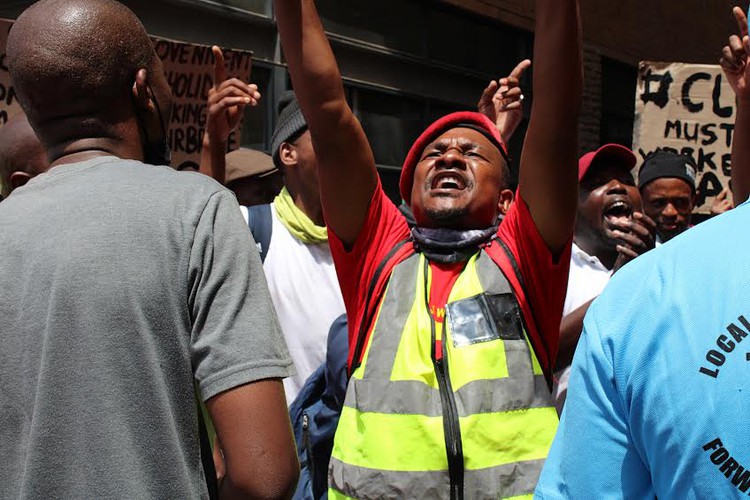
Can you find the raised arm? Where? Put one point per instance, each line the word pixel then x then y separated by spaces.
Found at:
pixel 737 71
pixel 548 178
pixel 346 167
pixel 226 103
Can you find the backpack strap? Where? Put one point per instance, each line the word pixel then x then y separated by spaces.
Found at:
pixel 207 457
pixel 370 309
pixel 519 277
pixel 261 225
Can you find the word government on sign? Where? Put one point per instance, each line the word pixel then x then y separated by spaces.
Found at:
pixel 190 71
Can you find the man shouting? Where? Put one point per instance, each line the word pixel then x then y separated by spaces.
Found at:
pixel 453 325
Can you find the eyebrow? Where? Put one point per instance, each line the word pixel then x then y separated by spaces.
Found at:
pixel 444 144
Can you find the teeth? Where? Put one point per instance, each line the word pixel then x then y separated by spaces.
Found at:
pixel 618 207
pixel 449 181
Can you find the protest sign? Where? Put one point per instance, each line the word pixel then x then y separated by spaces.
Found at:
pixel 190 71
pixel 8 104
pixel 688 109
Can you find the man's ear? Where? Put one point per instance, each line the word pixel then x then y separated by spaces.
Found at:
pixel 141 94
pixel 288 154
pixel 505 201
pixel 18 179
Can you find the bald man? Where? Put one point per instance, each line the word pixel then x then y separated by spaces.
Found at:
pixel 115 301
pixel 21 155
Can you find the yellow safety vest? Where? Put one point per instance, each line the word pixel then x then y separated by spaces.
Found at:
pixel 477 424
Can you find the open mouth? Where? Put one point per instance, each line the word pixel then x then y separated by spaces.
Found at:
pixel 618 211
pixel 448 180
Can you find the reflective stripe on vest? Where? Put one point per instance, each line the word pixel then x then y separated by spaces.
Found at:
pixel 390 438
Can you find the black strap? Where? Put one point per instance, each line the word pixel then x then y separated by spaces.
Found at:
pixel 514 264
pixel 519 277
pixel 370 311
pixel 207 457
pixel 261 225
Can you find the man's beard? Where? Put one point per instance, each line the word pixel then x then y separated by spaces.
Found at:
pixel 446 216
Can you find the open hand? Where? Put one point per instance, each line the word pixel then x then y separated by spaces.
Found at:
pixel 721 203
pixel 226 101
pixel 637 236
pixel 734 57
pixel 502 101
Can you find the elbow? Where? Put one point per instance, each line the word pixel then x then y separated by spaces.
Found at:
pixel 277 480
pixel 283 483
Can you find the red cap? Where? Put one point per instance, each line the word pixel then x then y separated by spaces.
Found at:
pixel 453 120
pixel 611 150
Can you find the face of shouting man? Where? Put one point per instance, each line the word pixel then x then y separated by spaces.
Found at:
pixel 607 200
pixel 460 182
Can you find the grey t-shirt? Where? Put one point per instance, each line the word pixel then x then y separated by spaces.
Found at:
pixel 120 283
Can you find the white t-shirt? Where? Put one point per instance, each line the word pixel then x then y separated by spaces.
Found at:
pixel 586 281
pixel 306 294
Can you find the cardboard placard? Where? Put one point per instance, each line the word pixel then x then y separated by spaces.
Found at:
pixel 688 109
pixel 190 71
pixel 8 104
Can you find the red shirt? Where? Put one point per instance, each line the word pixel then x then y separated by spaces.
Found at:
pixel 545 281
pixel 444 276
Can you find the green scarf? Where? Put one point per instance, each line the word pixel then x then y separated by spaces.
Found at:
pixel 297 222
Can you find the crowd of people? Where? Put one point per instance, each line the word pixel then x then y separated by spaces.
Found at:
pixel 275 326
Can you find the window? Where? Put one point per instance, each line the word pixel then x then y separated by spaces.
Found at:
pixel 257 124
pixel 391 122
pixel 472 43
pixel 618 102
pixel 393 24
pixel 262 7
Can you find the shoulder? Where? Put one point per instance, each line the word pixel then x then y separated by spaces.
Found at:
pixel 170 189
pixel 181 182
pixel 674 296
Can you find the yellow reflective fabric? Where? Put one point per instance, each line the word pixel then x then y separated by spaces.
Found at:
pixel 337 495
pixel 391 442
pixel 361 368
pixel 404 431
pixel 482 361
pixel 534 361
pixel 415 442
pixel 414 355
pixel 516 436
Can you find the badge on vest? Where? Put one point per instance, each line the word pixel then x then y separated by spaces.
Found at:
pixel 483 318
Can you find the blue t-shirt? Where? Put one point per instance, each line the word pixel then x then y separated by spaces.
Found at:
pixel 659 395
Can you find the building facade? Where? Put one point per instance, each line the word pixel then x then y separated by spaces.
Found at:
pixel 407 62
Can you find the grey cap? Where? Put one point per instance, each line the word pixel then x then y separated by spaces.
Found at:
pixel 289 126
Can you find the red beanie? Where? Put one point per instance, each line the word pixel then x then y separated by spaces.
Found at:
pixel 453 120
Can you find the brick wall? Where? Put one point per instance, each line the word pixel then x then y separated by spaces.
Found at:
pixel 634 30
pixel 591 106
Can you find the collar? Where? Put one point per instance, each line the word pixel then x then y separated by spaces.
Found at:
pixel 448 246
pixel 590 260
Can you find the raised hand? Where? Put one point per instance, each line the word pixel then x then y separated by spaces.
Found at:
pixel 637 236
pixel 734 57
pixel 721 203
pixel 735 65
pixel 502 101
pixel 226 101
